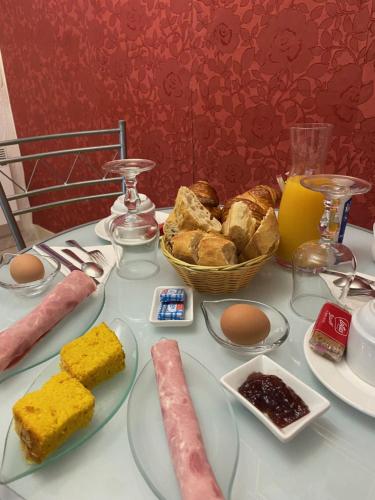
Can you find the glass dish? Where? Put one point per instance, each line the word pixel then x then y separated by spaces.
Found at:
pixel 213 309
pixel 109 396
pixel 73 325
pixel 147 437
pixel 51 268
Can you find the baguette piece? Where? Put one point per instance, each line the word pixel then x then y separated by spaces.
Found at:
pixel 256 210
pixel 191 214
pixel 265 239
pixel 239 225
pixel 216 251
pixel 170 228
pixel 185 245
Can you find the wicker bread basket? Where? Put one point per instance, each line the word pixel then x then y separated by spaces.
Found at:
pixel 222 279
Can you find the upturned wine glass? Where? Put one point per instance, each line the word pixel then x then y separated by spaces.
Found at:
pixel 129 169
pixel 315 261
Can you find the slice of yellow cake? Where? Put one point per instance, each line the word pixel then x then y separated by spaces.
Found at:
pixel 46 418
pixel 94 357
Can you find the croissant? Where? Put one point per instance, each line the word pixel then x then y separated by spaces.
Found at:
pixel 268 193
pixel 205 193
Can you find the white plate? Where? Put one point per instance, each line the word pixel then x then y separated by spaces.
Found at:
pixel 109 396
pixel 147 436
pixel 340 380
pixel 317 404
pixel 100 230
pixel 189 316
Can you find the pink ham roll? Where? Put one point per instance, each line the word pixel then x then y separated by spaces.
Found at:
pixel 194 473
pixel 16 340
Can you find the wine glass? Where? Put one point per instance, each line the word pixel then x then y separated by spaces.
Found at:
pixel 314 262
pixel 130 168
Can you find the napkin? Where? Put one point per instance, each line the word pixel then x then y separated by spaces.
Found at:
pixel 107 251
pixel 352 303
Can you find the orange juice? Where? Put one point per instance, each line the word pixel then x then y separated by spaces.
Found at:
pixel 300 212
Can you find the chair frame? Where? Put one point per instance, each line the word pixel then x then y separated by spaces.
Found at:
pixel 120 147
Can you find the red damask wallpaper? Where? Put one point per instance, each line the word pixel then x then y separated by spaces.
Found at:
pixel 208 87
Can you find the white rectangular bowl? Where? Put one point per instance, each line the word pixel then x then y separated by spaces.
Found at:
pixel 189 308
pixel 317 404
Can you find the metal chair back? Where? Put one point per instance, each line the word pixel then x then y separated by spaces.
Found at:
pixel 118 147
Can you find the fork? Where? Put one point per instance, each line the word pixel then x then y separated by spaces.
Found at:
pixel 95 255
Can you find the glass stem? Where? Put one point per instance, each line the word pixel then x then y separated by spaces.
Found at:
pixel 132 199
pixel 330 222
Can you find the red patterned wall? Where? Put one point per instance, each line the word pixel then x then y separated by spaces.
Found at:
pixel 208 87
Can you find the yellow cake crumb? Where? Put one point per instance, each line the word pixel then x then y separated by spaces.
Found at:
pixel 46 418
pixel 94 357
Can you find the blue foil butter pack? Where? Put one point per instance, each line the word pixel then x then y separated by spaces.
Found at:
pixel 169 295
pixel 171 311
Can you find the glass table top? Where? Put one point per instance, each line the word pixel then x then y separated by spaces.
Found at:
pixel 331 459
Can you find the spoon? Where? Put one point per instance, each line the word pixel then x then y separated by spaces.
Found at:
pixel 92 269
pixel 357 283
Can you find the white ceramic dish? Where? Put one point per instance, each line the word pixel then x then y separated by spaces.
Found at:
pixel 340 380
pixel 317 404
pixel 189 308
pixel 100 227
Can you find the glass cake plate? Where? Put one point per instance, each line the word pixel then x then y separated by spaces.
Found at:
pixel 73 325
pixel 147 437
pixel 109 396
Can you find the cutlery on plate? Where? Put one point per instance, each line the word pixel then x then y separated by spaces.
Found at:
pixel 357 283
pixel 96 255
pixel 90 268
pixel 65 262
pixel 342 279
pixel 361 292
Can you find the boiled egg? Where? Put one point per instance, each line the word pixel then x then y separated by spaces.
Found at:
pixel 244 324
pixel 26 268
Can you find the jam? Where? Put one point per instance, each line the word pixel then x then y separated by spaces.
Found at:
pixel 271 396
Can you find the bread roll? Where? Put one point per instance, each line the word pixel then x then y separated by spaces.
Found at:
pixel 185 245
pixel 191 214
pixel 265 239
pixel 239 225
pixel 205 193
pixel 216 251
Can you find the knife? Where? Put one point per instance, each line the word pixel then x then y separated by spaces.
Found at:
pixel 65 262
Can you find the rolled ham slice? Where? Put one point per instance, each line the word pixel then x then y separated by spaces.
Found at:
pixel 193 471
pixel 16 340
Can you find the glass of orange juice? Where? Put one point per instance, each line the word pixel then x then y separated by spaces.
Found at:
pixel 300 208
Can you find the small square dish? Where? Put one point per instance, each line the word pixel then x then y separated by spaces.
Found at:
pixel 189 310
pixel 316 403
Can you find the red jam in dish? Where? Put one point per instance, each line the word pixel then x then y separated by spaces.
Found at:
pixel 271 396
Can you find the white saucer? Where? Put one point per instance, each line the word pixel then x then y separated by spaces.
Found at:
pixel 340 380
pixel 101 231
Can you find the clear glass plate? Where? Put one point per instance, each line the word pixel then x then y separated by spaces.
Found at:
pixel 73 325
pixel 147 437
pixel 109 396
pixel 213 309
